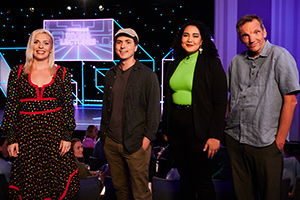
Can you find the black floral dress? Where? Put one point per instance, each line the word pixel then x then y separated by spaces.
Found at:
pixel 38 119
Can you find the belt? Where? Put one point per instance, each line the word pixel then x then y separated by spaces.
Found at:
pixel 182 107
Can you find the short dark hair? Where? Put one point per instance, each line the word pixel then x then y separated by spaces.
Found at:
pixel 248 18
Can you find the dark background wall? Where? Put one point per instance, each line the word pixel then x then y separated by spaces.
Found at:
pixel 155 21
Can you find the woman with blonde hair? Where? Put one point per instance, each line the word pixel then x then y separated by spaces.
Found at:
pixel 39 121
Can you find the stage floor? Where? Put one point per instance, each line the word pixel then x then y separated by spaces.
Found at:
pixel 84 116
pixel 87 115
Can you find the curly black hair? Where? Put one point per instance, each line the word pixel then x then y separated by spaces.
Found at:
pixel 209 48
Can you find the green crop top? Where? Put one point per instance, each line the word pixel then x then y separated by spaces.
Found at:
pixel 181 81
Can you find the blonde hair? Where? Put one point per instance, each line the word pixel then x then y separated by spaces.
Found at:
pixel 29 51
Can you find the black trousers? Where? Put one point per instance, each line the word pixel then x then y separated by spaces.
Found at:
pixel 256 171
pixel 194 167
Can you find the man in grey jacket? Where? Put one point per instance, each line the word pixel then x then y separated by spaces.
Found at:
pixel 130 118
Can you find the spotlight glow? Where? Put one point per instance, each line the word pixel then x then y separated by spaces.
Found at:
pixel 101 8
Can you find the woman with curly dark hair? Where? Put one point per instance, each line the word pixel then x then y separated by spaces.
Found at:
pixel 194 108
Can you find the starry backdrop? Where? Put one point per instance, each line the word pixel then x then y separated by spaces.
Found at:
pixel 156 23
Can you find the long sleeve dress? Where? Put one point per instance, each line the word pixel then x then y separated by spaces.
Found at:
pixel 38 119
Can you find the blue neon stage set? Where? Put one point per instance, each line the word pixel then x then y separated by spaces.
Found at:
pixel 86 48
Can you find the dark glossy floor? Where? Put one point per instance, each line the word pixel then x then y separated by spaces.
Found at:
pixel 87 115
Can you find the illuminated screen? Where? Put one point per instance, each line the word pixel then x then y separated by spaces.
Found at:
pixel 82 40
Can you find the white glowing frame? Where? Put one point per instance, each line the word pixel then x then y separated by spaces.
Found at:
pixel 162 76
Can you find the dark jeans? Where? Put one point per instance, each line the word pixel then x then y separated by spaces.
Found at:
pixel 122 165
pixel 194 167
pixel 256 172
